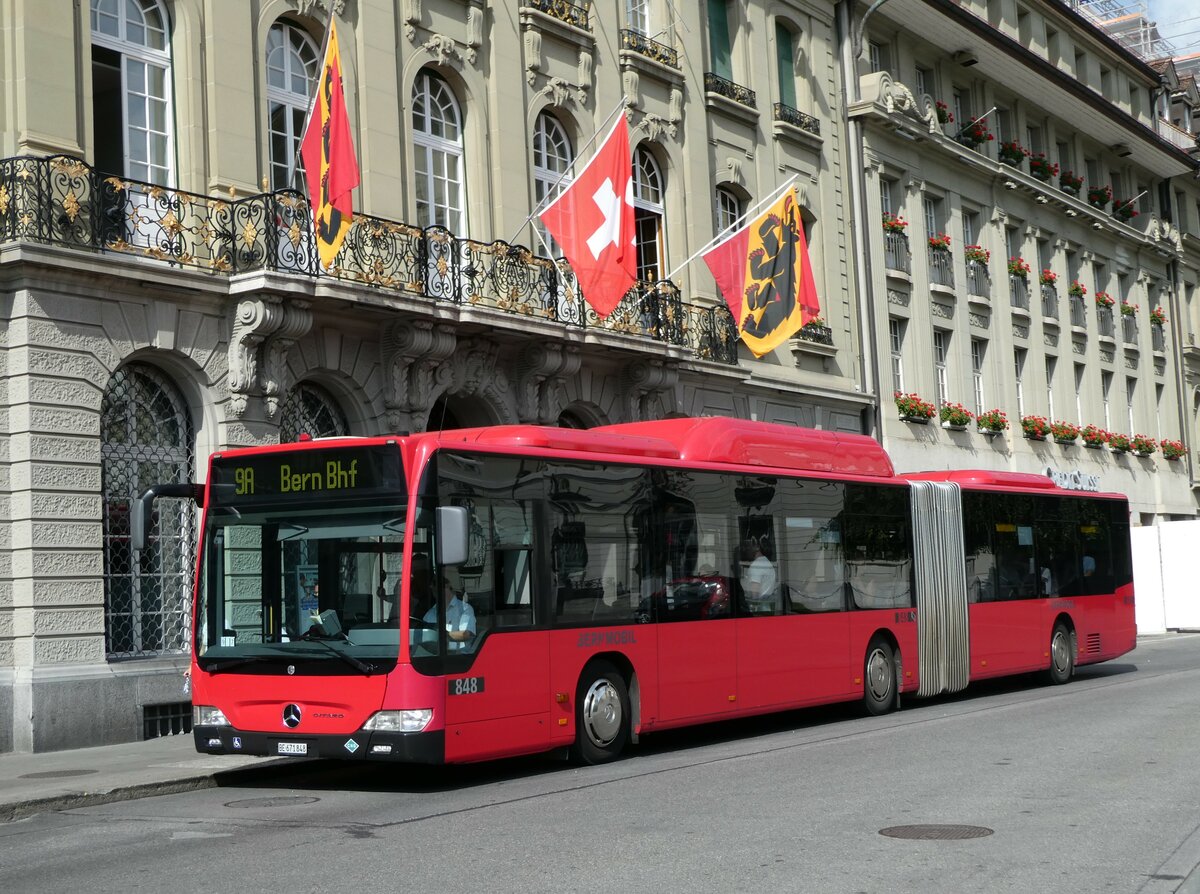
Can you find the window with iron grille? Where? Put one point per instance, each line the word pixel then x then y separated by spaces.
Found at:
pixel 146 438
pixel 1051 363
pixel 1105 388
pixel 978 350
pixel 311 410
pixel 174 719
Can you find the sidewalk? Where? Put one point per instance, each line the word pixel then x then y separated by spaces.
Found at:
pixel 55 780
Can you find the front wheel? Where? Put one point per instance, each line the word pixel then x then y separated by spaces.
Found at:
pixel 1062 655
pixel 879 678
pixel 601 714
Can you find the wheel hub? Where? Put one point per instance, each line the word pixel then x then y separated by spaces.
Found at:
pixel 602 712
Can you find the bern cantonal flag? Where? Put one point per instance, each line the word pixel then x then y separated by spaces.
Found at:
pixel 764 274
pixel 329 163
pixel 593 222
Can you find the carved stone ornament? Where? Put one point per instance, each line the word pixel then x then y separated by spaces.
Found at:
pixel 264 330
pixel 305 7
pixel 541 380
pixel 442 48
pixel 560 92
pixel 897 99
pixel 412 18
pixel 414 370
pixel 649 388
pixel 656 126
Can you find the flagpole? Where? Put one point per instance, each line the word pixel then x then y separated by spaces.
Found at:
pixel 297 158
pixel 552 192
pixel 733 227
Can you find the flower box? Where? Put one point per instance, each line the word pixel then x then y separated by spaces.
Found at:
pixel 915 420
pixel 1172 450
pixel 1069 183
pixel 1099 196
pixel 1012 153
pixel 1035 428
pixel 1042 168
pixel 1018 267
pixel 894 224
pixel 913 409
pixel 992 422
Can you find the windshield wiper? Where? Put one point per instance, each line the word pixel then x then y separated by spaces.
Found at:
pixel 360 666
pixel 217 666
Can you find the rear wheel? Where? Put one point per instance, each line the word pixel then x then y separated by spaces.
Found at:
pixel 601 714
pixel 879 678
pixel 1062 655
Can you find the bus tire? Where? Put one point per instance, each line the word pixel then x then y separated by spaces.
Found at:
pixel 601 714
pixel 1062 655
pixel 879 677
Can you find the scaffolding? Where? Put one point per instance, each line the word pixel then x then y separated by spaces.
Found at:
pixel 1129 23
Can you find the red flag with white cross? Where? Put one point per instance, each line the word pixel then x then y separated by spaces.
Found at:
pixel 593 222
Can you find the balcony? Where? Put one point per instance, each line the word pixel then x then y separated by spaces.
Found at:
pixel 1158 338
pixel 744 96
pixel 978 281
pixel 1104 322
pixel 941 267
pixel 796 118
pixel 1129 329
pixel 1078 311
pixel 1018 290
pixel 62 201
pixel 575 14
pixel 639 43
pixel 1049 302
pixel 896 255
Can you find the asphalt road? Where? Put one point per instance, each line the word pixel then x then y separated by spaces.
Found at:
pixel 1089 787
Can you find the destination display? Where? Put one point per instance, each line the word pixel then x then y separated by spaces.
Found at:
pixel 305 475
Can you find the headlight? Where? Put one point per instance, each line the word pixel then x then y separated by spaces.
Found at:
pixel 409 721
pixel 207 715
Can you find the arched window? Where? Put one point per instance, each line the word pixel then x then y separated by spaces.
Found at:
pixel 146 438
pixel 553 156
pixel 729 209
pixel 438 146
pixel 648 214
pixel 131 84
pixel 311 410
pixel 293 62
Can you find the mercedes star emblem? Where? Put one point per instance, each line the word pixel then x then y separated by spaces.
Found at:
pixel 291 716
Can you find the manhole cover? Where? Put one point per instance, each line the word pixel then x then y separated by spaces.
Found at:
pixel 57 774
pixel 936 832
pixel 272 802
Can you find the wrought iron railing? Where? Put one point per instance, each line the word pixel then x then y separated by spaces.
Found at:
pixel 941 267
pixel 978 281
pixel 796 118
pixel 896 255
pixel 1104 321
pixel 648 47
pixel 1129 329
pixel 1049 301
pixel 63 201
pixel 1078 311
pixel 714 83
pixel 1018 289
pixel 572 13
pixel 821 335
pixel 1158 337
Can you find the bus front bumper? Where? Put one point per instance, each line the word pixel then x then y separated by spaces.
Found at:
pixel 417 748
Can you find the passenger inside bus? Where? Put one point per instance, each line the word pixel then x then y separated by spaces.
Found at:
pixel 758 577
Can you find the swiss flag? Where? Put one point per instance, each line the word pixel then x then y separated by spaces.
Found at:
pixel 593 222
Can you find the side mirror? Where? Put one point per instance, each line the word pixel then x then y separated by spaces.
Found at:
pixel 453 529
pixel 140 514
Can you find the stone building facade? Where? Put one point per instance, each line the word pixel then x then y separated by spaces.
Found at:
pixel 162 300
pixel 986 128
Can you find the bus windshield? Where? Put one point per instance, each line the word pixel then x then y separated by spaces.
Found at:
pixel 315 587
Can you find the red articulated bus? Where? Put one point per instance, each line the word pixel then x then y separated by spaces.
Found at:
pixel 465 595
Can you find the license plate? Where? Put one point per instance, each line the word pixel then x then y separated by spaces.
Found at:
pixel 293 748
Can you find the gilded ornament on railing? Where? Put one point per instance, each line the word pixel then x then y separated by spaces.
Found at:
pixel 72 167
pixel 171 224
pixel 220 264
pixel 443 266
pixel 70 205
pixel 249 233
pixel 294 234
pixel 3 199
pixel 206 233
pixel 117 184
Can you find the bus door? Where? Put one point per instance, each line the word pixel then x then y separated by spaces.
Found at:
pixel 689 570
pixel 496 661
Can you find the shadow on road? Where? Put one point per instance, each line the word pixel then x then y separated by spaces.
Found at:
pixel 329 775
